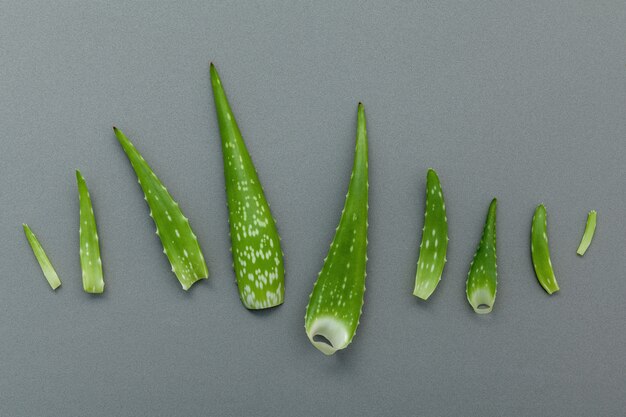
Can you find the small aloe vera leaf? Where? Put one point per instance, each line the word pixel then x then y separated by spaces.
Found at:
pixel 590 229
pixel 257 254
pixel 336 302
pixel 482 279
pixel 540 251
pixel 434 244
pixel 180 244
pixel 42 258
pixel 90 260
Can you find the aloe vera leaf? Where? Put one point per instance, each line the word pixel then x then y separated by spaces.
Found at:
pixel 432 257
pixel 482 279
pixel 180 244
pixel 540 251
pixel 256 250
pixel 590 229
pixel 336 302
pixel 90 261
pixel 42 258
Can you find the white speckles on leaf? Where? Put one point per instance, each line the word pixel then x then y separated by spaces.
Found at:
pixel 255 238
pixel 432 258
pixel 93 281
pixel 482 279
pixel 336 302
pixel 180 244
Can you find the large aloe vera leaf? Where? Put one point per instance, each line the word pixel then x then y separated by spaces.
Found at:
pixel 434 244
pixel 336 302
pixel 42 258
pixel 540 251
pixel 482 279
pixel 90 261
pixel 256 250
pixel 590 229
pixel 180 244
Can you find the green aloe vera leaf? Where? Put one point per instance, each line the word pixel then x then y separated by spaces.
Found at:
pixel 180 244
pixel 432 257
pixel 482 279
pixel 257 254
pixel 335 305
pixel 90 261
pixel 42 258
pixel 590 229
pixel 540 251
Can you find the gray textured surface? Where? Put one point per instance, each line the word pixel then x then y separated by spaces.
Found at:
pixel 518 100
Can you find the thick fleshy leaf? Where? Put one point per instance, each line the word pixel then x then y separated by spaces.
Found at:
pixel 257 254
pixel 434 244
pixel 180 244
pixel 540 251
pixel 90 261
pixel 336 302
pixel 482 279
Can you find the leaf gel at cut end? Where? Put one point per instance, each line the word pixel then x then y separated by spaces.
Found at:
pixel 432 257
pixel 482 279
pixel 335 305
pixel 42 258
pixel 255 243
pixel 540 251
pixel 90 261
pixel 180 244
pixel 590 229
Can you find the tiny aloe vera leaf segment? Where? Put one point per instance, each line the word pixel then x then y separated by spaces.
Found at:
pixel 336 302
pixel 256 250
pixel 590 229
pixel 180 244
pixel 434 244
pixel 541 252
pixel 482 279
pixel 90 261
pixel 42 258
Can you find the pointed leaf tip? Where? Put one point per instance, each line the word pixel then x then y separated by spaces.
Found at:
pixel 215 77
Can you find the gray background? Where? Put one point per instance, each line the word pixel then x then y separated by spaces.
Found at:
pixel 522 100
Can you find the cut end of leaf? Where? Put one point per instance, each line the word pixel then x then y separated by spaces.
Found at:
pixel 94 290
pixel 328 335
pixel 423 291
pixel 481 301
pixel 188 284
pixel 553 289
pixel 263 307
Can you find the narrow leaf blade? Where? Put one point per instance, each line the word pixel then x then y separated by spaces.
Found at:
pixel 432 257
pixel 90 261
pixel 42 258
pixel 540 251
pixel 180 244
pixel 590 229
